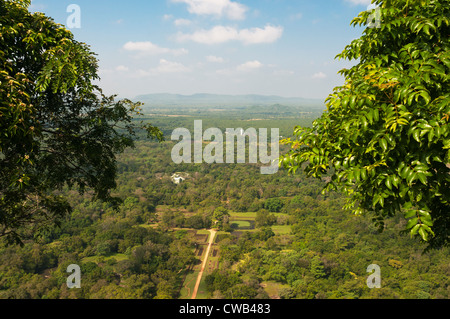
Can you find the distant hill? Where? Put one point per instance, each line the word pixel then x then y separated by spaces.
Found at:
pixel 224 101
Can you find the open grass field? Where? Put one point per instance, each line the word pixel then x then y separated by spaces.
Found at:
pixel 281 229
pixel 242 224
pixel 242 221
pixel 237 216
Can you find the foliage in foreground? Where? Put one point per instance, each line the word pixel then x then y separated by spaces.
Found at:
pixel 56 127
pixel 386 136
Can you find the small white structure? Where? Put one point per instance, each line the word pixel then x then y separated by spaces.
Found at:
pixel 177 178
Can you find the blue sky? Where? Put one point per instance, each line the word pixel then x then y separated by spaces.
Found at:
pixel 269 47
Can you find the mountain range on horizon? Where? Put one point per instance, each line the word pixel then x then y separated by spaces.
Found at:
pixel 223 100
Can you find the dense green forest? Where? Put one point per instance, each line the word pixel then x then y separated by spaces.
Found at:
pixel 301 243
pixel 87 181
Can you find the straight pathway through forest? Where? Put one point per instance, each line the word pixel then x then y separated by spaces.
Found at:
pixel 200 274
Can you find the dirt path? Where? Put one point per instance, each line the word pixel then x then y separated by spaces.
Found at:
pixel 200 274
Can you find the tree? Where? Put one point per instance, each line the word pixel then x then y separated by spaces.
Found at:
pixel 316 268
pixel 384 137
pixel 263 218
pixel 273 205
pixel 221 215
pixel 57 129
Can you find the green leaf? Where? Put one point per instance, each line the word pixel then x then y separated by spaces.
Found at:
pixel 410 214
pixel 381 201
pixel 357 174
pixel 412 222
pixel 422 178
pixel 411 176
pixel 414 230
pixel 388 183
pixel 427 229
pixel 427 221
pixel 423 233
pixel 383 144
pixel 363 174
pixel 395 181
pixel 369 116
pixel 376 115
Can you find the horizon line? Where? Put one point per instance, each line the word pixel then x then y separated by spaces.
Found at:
pixel 234 95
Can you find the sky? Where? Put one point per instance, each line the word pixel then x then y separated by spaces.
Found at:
pixel 268 47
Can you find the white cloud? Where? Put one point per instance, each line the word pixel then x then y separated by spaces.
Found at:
pixel 319 75
pixel 250 65
pixel 148 48
pixel 256 35
pixel 283 72
pixel 218 34
pixel 170 67
pixel 164 67
pixel 222 34
pixel 122 68
pixel 182 22
pixel 220 8
pixel 243 68
pixel 215 59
